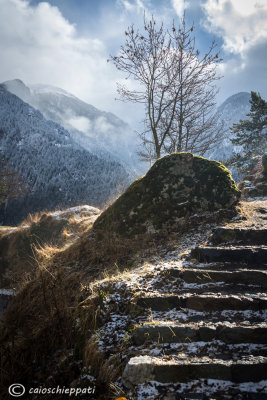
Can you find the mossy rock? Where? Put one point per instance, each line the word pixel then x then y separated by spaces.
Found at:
pixel 177 186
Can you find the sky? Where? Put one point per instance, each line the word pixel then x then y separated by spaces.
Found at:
pixel 66 43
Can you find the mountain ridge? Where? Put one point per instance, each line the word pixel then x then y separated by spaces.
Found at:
pixel 234 108
pixel 57 170
pixel 100 132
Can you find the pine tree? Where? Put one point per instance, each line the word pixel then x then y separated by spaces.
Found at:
pixel 251 134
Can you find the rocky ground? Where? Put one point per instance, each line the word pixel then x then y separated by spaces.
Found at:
pixel 192 324
pixel 189 320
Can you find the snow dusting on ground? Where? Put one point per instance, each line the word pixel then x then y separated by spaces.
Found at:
pixel 152 277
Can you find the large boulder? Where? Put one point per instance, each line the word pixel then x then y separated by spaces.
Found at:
pixel 177 186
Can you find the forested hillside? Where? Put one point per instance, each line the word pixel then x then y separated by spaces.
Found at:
pixel 56 170
pixel 101 133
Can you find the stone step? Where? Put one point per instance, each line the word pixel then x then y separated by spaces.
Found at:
pixel 142 369
pixel 182 288
pixel 247 277
pixel 220 288
pixel 208 302
pixel 204 386
pixel 248 255
pixel 183 333
pixel 239 235
pixel 189 316
pixel 214 349
pixel 215 266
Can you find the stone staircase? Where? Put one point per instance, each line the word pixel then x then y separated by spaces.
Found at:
pixel 220 349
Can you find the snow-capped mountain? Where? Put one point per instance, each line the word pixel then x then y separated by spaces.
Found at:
pixel 230 111
pixel 102 133
pixel 106 135
pixel 58 171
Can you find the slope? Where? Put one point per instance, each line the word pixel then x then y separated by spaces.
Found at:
pixel 100 132
pixel 57 171
pixel 230 111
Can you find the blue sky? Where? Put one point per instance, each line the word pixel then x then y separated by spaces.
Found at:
pixel 89 15
pixel 66 43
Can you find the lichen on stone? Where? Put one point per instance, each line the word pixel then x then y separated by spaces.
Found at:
pixel 177 186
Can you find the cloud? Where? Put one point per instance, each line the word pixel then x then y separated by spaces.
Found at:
pixel 102 125
pixel 80 123
pixel 38 45
pixel 240 22
pixel 180 6
pixel 135 5
pixel 242 25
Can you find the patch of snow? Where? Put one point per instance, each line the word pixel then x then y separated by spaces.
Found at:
pixel 7 292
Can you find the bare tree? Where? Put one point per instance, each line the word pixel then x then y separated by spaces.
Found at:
pixel 176 86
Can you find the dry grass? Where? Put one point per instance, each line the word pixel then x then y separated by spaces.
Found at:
pixel 37 322
pixel 250 213
pixel 33 219
pixel 40 236
pixel 105 371
pixel 42 317
pixel 39 326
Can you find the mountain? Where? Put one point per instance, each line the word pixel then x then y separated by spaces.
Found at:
pixel 57 170
pixel 230 111
pixel 102 133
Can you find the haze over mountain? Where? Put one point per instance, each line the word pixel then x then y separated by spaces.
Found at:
pixel 100 132
pixel 57 170
pixel 104 134
pixel 230 111
pixel 68 152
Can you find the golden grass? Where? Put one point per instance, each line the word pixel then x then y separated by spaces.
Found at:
pixel 32 219
pixel 105 371
pixel 64 287
pixel 42 316
pixel 249 210
pixel 40 236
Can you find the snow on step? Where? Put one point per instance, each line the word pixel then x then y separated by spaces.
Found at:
pixel 213 302
pixel 251 255
pixel 202 389
pixel 179 333
pixel 142 369
pixel 220 266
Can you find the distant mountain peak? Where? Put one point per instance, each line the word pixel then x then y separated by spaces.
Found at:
pixel 99 132
pixel 18 87
pixel 56 169
pixel 238 99
pixel 233 109
pixel 42 88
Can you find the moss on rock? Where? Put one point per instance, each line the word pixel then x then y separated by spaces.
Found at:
pixel 177 186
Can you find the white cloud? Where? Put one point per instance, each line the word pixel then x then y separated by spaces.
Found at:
pixel 38 45
pixel 80 123
pixel 102 125
pixel 134 5
pixel 242 25
pixel 180 6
